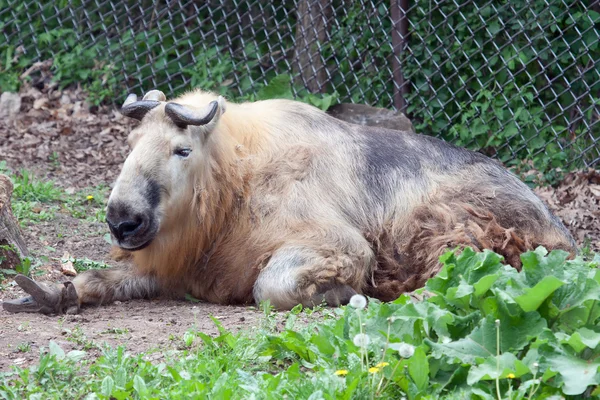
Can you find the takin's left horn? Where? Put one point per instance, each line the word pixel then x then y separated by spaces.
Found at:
pixel 137 109
pixel 184 116
pixel 155 95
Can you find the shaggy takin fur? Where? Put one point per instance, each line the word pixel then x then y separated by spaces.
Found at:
pixel 275 200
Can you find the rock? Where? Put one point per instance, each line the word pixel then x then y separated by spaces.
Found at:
pixel 362 114
pixel 10 104
pixel 66 265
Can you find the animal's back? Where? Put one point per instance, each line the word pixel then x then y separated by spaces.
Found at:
pixel 413 196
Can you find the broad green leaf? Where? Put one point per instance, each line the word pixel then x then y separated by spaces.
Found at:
pixel 480 344
pixel 278 88
pixel 577 374
pixel 56 350
pixel 318 395
pixel 497 367
pixel 139 385
pixel 107 386
pixel 120 377
pixel 577 300
pixel 583 338
pixel 418 368
pixel 535 296
pixel 484 284
pixel 76 355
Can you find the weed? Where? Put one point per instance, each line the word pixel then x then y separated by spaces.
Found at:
pixel 78 337
pixel 488 331
pixel 54 159
pixel 24 267
pixel 24 347
pixel 84 264
pixel 115 331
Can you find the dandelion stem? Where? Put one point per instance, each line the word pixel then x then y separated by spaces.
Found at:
pixel 387 341
pixel 498 359
pixel 362 347
pixel 534 386
pixel 391 376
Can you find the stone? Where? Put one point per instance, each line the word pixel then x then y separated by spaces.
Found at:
pixel 10 104
pixel 362 114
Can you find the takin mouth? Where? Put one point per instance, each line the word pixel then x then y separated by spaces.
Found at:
pixel 140 247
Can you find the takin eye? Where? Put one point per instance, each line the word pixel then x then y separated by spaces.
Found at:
pixel 182 152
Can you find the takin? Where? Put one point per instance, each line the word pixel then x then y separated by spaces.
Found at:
pixel 276 200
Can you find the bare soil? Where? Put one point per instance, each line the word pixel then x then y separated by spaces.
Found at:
pixel 58 136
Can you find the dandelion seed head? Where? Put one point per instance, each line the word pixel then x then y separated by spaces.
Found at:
pixel 405 350
pixel 361 340
pixel 497 322
pixel 358 301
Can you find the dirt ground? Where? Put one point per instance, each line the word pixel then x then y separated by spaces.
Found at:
pixel 58 136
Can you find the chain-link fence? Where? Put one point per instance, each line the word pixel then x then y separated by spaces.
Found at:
pixel 519 80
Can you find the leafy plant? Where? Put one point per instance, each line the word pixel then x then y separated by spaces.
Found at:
pixel 24 267
pixel 84 264
pixel 484 330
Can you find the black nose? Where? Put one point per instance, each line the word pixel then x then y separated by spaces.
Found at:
pixel 123 224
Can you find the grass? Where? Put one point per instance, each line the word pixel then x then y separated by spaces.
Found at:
pixel 35 200
pixel 487 332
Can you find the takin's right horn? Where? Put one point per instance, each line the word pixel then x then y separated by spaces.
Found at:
pixel 138 109
pixel 183 116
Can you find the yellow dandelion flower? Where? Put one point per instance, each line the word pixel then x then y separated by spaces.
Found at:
pixel 382 364
pixel 373 370
pixel 90 197
pixel 510 376
pixel 341 372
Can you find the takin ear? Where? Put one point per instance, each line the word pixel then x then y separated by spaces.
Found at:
pixel 183 116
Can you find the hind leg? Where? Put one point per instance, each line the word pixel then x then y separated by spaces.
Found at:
pixel 311 275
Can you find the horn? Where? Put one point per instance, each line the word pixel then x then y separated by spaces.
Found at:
pixel 155 95
pixel 137 109
pixel 184 116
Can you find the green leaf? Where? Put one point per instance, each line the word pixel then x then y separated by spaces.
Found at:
pixel 56 350
pixel 139 385
pixel 484 284
pixel 480 344
pixel 107 386
pixel 497 367
pixel 278 88
pixel 534 297
pixel 120 377
pixel 583 338
pixel 418 368
pixel 76 355
pixel 577 374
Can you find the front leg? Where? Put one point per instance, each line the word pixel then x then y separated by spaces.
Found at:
pixel 102 286
pixel 310 275
pixel 93 287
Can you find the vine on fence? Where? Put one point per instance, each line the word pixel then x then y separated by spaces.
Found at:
pixel 518 80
